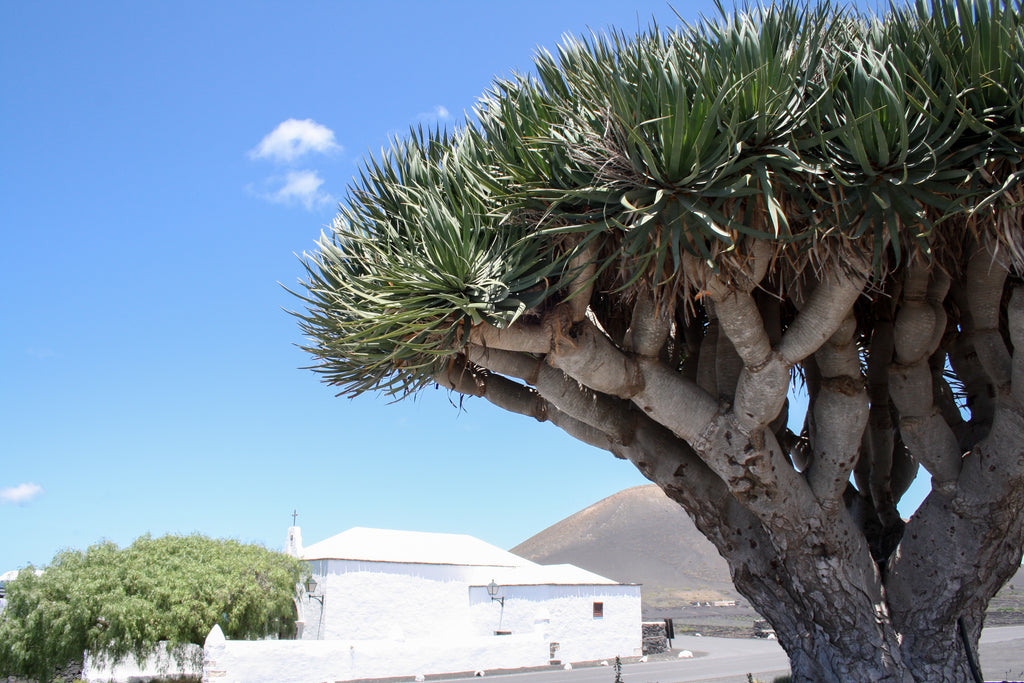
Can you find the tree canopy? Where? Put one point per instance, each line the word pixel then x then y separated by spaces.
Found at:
pixel 649 239
pixel 122 602
pixel 810 134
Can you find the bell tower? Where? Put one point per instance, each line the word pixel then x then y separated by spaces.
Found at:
pixel 293 546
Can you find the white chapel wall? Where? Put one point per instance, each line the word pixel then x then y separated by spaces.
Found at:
pixel 582 636
pixel 566 615
pixel 381 619
pixel 371 600
pixel 398 601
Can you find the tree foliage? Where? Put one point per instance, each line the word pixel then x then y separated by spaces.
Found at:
pixel 122 602
pixel 667 159
pixel 649 239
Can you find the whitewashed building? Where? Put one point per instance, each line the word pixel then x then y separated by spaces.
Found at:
pixel 404 586
pixel 387 603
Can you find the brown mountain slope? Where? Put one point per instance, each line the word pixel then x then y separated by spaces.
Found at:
pixel 637 536
pixel 640 536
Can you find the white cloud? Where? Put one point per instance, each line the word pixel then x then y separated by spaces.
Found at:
pixel 295 187
pixel 439 113
pixel 304 187
pixel 294 138
pixel 20 494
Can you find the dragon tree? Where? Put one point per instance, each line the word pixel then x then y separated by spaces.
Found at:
pixel 650 241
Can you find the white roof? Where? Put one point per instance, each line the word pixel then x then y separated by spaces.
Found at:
pixel 414 547
pixel 418 547
pixel 541 575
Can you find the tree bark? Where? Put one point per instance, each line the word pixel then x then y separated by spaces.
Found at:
pixel 854 593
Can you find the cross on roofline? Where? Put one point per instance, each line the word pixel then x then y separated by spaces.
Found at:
pixel 295 513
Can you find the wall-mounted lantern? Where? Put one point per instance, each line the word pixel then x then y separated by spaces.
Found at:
pixel 492 590
pixel 310 589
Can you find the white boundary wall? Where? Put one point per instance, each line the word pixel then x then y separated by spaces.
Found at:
pixel 312 661
pixel 159 664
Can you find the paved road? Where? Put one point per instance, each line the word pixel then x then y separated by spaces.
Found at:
pixel 729 660
pixel 716 658
pixel 1002 653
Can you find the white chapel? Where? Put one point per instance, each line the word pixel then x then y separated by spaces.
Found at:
pixel 433 592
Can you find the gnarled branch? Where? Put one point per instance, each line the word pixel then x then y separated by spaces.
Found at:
pixel 927 435
pixel 840 414
pixel 986 275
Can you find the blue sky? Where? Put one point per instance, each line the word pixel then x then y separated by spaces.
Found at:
pixel 162 165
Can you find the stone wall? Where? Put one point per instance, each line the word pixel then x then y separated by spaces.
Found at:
pixel 655 640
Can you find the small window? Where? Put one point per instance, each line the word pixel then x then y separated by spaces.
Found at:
pixel 598 610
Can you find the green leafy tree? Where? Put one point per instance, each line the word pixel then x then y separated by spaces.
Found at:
pixel 121 602
pixel 647 241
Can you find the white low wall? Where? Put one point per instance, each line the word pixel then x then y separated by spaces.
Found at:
pixel 186 660
pixel 314 661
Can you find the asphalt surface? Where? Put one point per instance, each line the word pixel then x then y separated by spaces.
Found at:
pixel 1002 653
pixel 729 660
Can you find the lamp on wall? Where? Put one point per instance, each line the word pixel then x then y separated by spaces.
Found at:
pixel 311 588
pixel 492 590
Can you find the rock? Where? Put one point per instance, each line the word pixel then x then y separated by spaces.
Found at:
pixel 685 654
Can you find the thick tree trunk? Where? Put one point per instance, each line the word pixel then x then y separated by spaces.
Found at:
pixel 858 649
pixel 843 619
pixel 853 592
pixel 919 618
pixel 843 641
